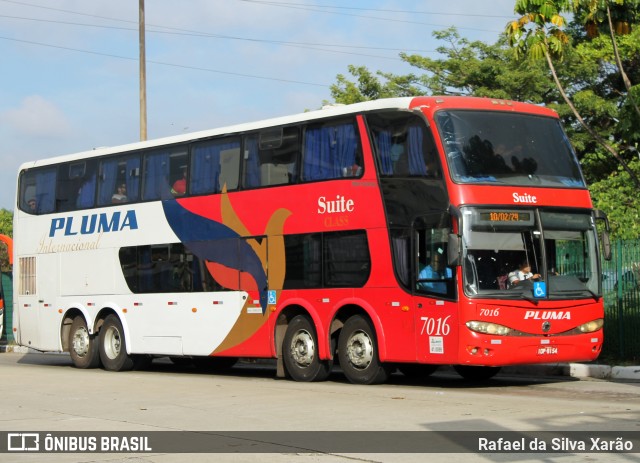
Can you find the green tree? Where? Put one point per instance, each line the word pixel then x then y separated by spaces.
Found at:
pixel 540 33
pixel 467 68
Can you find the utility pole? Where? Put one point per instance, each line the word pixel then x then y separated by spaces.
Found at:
pixel 143 75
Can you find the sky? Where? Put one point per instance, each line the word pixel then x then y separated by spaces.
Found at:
pixel 69 79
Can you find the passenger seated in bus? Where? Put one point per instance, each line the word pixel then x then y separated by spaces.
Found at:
pixel 31 202
pixel 180 186
pixel 120 196
pixel 522 273
pixel 435 270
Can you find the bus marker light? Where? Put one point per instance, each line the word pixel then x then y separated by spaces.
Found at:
pixel 124 310
pixel 172 303
pixel 137 304
pixel 217 302
pixel 487 352
pixel 60 310
pixel 272 308
pixel 496 341
pixel 405 308
pixel 194 310
pixel 595 340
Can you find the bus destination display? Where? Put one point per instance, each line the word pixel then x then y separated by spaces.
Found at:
pixel 504 217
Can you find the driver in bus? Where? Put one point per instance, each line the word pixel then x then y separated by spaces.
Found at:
pixel 523 272
pixel 435 270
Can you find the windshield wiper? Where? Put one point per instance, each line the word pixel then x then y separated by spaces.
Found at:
pixel 532 299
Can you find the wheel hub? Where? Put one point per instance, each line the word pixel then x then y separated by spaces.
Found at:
pixel 360 350
pixel 112 342
pixel 302 348
pixel 81 342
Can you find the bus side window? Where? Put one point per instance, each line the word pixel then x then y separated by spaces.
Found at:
pixel 76 186
pixel 119 180
pixel 279 157
pixel 214 165
pixel 331 151
pixel 161 170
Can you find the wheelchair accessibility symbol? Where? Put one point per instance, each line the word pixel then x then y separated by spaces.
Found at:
pixel 271 297
pixel 539 289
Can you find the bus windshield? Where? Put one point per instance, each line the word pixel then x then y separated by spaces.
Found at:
pixel 508 149
pixel 529 253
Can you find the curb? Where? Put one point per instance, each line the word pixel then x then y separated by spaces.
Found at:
pixel 577 370
pixel 14 348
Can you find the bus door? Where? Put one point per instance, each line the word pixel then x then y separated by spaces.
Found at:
pixel 435 286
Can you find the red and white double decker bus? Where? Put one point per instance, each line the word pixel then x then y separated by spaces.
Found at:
pixel 383 235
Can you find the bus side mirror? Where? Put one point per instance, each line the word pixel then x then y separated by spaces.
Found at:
pixel 606 242
pixel 453 250
pixel 606 246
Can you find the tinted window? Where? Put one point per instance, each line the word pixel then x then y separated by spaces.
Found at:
pixel 331 150
pixel 404 145
pixel 508 149
pixel 38 190
pixel 339 259
pixel 165 268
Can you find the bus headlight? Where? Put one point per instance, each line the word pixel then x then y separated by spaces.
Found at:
pixel 591 326
pixel 488 328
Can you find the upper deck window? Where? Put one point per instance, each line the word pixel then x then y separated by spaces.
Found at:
pixel 508 149
pixel 404 145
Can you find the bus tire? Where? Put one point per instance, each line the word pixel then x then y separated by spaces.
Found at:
pixel 300 352
pixel 83 347
pixel 113 348
pixel 476 373
pixel 358 353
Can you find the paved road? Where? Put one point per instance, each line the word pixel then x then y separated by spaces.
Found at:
pixel 43 392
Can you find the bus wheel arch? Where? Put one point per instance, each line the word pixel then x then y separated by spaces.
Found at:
pixel 358 348
pixel 77 339
pixel 113 344
pixel 298 344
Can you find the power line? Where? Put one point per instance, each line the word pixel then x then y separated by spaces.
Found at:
pixel 304 7
pixel 217 71
pixel 298 6
pixel 303 45
pixel 381 10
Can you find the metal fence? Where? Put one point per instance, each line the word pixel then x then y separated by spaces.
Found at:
pixel 621 288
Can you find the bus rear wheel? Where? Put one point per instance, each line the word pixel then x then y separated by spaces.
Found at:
pixel 475 373
pixel 113 348
pixel 300 352
pixel 83 347
pixel 358 353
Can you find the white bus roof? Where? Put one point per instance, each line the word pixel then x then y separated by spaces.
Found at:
pixel 326 111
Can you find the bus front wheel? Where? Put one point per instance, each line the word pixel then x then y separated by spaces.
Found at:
pixel 358 353
pixel 83 347
pixel 113 348
pixel 300 352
